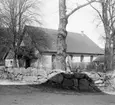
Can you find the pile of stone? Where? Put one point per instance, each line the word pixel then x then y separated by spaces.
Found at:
pixel 77 81
pixel 97 77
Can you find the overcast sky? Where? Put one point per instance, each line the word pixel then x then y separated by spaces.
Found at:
pixel 83 20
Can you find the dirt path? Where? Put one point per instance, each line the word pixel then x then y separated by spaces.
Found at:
pixel 56 99
pixel 40 95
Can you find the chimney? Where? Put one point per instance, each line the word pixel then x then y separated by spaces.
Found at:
pixel 82 33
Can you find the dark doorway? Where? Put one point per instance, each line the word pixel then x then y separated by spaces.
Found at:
pixel 27 63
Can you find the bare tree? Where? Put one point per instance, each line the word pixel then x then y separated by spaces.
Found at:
pixel 14 15
pixel 62 33
pixel 107 16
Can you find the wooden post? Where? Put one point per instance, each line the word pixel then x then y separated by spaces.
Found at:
pixel 71 60
pixel 91 58
pixel 53 61
pixel 81 58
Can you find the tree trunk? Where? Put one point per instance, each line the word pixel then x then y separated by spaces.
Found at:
pixel 113 52
pixel 62 33
pixel 108 53
pixel 15 59
pixel 108 59
pixel 61 37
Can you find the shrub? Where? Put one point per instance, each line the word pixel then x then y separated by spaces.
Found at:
pixel 100 68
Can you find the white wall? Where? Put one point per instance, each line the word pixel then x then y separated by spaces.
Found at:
pixel 47 61
pixel 9 62
pixel 86 59
pixel 76 59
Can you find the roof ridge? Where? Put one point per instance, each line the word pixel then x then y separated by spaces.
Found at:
pixel 54 29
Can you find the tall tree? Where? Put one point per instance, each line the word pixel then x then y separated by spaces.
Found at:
pixel 14 15
pixel 107 16
pixel 62 32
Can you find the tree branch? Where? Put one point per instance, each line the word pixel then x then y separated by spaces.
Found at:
pixel 79 7
pixel 98 13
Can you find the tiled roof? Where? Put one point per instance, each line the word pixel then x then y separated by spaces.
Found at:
pixel 76 43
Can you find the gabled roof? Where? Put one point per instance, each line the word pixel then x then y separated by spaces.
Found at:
pixel 76 43
pixel 3 52
pixel 10 55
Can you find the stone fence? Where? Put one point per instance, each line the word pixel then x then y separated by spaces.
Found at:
pixel 77 81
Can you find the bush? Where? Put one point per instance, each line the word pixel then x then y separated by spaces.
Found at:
pixel 100 68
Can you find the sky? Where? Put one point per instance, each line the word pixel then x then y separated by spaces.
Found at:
pixel 84 19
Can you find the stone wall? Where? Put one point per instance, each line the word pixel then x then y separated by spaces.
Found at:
pixel 76 81
pixel 22 74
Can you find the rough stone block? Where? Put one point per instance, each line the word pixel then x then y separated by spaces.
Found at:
pixel 19 77
pixel 57 78
pixel 4 76
pixel 79 75
pixel 68 76
pixel 75 82
pixel 67 83
pixel 83 84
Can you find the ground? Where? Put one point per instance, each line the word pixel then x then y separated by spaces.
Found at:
pixel 44 95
